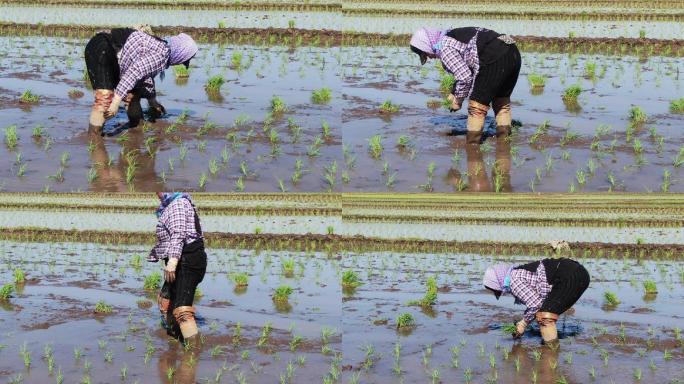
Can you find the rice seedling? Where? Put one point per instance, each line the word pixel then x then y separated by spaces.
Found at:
pixel 590 70
pixel 650 287
pixel 181 72
pixel 11 138
pixel 677 105
pixel 152 281
pixel 637 115
pixel 282 294
pixel 508 328
pixel 19 276
pixel 375 146
pixel 102 307
pixel 446 83
pixel 236 60
pixel 278 106
pixel 665 184
pixel 430 297
pixel 29 97
pixel 388 108
pixel 610 299
pixel 240 184
pixel 536 81
pixel 571 93
pixel 350 280
pixel 404 142
pixel 405 320
pixel 288 266
pixel 6 291
pixel 214 84
pixel 321 96
pixel 38 132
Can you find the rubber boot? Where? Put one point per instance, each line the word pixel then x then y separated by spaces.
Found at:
pixel 547 327
pixel 502 112
pixel 185 317
pixel 103 98
pixel 475 124
pixel 133 110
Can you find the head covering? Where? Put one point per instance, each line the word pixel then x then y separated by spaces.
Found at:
pixel 181 48
pixel 168 198
pixel 425 40
pixel 495 278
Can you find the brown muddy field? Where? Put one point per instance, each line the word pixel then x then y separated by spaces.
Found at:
pixel 51 332
pixel 459 338
pixel 226 142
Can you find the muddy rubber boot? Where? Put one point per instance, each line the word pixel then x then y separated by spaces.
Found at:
pixel 503 131
pixel 103 98
pixel 185 317
pixel 547 327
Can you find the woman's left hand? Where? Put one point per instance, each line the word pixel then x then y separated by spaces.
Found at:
pixel 520 327
pixel 170 270
pixel 113 108
pixel 455 103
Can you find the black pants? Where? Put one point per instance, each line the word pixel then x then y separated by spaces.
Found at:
pixel 572 279
pixel 499 78
pixel 189 273
pixel 101 62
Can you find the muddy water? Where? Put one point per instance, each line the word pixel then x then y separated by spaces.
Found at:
pixel 462 334
pixel 551 163
pixel 361 79
pixel 55 307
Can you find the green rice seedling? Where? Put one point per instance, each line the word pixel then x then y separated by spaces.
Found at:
pixel 610 299
pixel 571 93
pixel 26 355
pixel 282 294
pixel 265 333
pixel 536 80
pixel 64 159
pixel 38 132
pixel 405 320
pixel 430 297
pixel 29 97
pixel 350 279
pixel 677 105
pixel 6 291
pixel 446 83
pixel 241 279
pixel 181 72
pixel 152 281
pixel 387 107
pixel 214 83
pixel 11 138
pixel 590 70
pixel 236 60
pixel 240 184
pixel 321 96
pixel 330 230
pixel 19 277
pixel 508 328
pixel 288 267
pixel 325 127
pixel 375 146
pixel 102 307
pixel 650 287
pixel 665 184
pixel 637 146
pixel 278 106
pixel 404 142
pixel 291 24
pixel 637 115
pixel 202 182
pixel 330 174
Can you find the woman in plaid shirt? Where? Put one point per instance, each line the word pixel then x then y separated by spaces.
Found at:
pixel 122 64
pixel 548 288
pixel 181 245
pixel 485 65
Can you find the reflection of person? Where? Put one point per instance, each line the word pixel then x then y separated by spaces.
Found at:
pixel 485 65
pixel 112 177
pixel 122 64
pixel 183 363
pixel 548 288
pixel 181 245
pixel 477 174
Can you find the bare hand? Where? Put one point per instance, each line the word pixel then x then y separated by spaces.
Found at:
pixel 170 270
pixel 520 327
pixel 113 108
pixel 455 103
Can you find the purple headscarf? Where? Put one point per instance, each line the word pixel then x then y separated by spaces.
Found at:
pixel 495 276
pixel 168 198
pixel 425 39
pixel 181 48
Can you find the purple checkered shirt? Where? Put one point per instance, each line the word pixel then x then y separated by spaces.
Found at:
pixel 176 228
pixel 531 288
pixel 142 57
pixel 462 61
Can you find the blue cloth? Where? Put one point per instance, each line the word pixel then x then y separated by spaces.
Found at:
pixel 168 198
pixel 458 125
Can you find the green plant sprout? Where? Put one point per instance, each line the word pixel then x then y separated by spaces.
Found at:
pixel 102 307
pixel 152 281
pixel 321 96
pixel 610 299
pixel 405 320
pixel 388 108
pixel 214 83
pixel 29 97
pixel 282 294
pixel 350 280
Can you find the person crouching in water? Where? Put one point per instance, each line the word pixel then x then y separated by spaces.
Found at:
pixel 548 288
pixel 485 65
pixel 122 64
pixel 180 244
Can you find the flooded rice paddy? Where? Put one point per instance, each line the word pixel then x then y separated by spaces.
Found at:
pixel 230 142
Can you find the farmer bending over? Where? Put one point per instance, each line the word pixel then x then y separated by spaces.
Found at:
pixel 181 245
pixel 122 65
pixel 548 288
pixel 485 65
